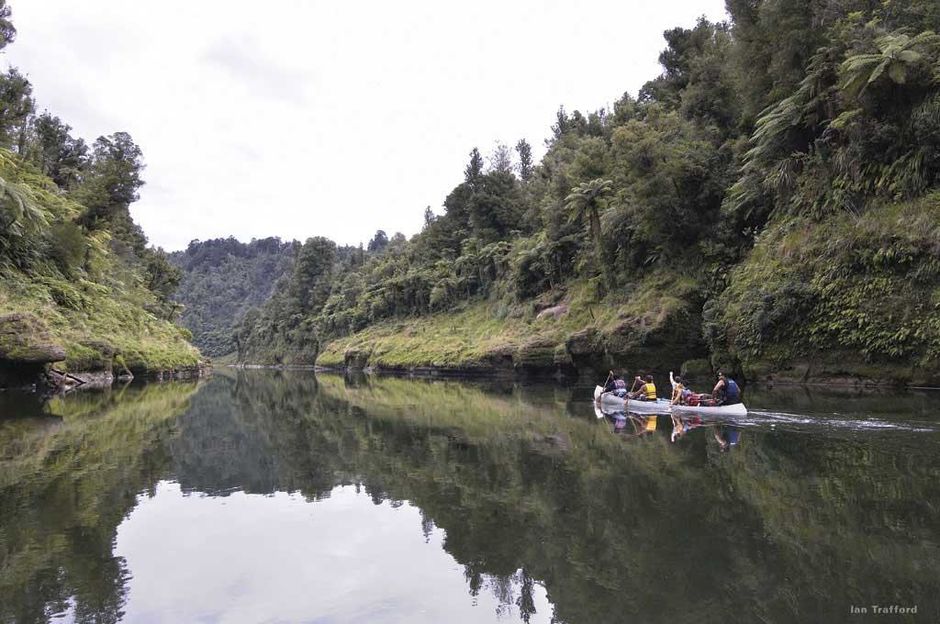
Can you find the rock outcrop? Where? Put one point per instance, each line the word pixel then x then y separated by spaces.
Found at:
pixel 25 339
pixel 26 347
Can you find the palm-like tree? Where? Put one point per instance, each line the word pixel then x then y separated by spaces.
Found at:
pixel 585 201
pixel 898 53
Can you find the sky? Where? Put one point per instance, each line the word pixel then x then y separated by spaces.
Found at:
pixel 298 118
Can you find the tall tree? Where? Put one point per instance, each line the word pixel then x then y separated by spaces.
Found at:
pixel 501 159
pixel 474 168
pixel 429 217
pixel 586 200
pixel 379 242
pixel 7 31
pixel 56 152
pixel 312 272
pixel 16 105
pixel 526 166
pixel 113 179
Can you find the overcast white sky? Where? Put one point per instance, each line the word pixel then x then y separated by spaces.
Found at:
pixel 297 118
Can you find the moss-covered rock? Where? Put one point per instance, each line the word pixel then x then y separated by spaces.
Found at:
pixel 356 358
pixel 536 354
pixel 25 339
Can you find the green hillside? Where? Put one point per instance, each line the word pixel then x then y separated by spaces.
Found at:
pixel 769 202
pixel 222 280
pixel 79 286
pixel 68 294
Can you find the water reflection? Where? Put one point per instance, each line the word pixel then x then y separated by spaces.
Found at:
pixel 69 473
pixel 251 558
pixel 515 498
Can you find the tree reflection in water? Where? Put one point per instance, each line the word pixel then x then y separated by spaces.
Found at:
pixel 528 487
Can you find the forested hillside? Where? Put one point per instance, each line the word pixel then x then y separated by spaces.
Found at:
pixel 79 284
pixel 221 280
pixel 768 202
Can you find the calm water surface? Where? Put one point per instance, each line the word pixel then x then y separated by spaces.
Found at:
pixel 284 497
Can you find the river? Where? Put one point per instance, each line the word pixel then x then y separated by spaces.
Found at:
pixel 263 496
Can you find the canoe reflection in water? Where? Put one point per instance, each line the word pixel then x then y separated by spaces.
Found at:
pixel 726 434
pixel 643 425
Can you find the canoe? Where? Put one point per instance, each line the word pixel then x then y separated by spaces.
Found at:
pixel 662 406
pixel 737 409
pixel 612 401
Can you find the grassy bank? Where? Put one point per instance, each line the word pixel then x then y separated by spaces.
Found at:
pixel 75 294
pixel 657 314
pixel 99 326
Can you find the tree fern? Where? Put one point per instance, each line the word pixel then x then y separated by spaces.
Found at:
pixel 584 200
pixel 20 215
pixel 898 54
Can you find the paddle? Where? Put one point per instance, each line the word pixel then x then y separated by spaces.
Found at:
pixel 626 399
pixel 600 390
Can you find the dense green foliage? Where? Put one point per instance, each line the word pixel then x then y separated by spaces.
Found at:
pixel 793 115
pixel 222 279
pixel 70 253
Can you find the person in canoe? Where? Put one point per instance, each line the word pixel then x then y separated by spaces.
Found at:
pixel 616 385
pixel 680 394
pixel 726 391
pixel 647 391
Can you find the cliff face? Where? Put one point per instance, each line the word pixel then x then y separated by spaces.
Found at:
pixel 845 298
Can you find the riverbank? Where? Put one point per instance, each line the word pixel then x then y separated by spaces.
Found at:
pixel 570 334
pixel 584 345
pixel 835 301
pixel 59 333
pixel 83 300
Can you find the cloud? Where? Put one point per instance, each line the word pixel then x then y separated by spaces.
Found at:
pixel 244 61
pixel 301 118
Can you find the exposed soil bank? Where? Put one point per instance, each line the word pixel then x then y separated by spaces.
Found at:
pixel 49 378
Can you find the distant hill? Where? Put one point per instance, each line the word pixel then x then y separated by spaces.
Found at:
pixel 224 278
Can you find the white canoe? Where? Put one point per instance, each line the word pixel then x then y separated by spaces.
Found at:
pixel 737 409
pixel 612 401
pixel 662 406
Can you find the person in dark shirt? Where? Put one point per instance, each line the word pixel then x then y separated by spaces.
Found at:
pixel 726 391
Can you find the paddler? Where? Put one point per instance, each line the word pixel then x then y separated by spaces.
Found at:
pixel 647 391
pixel 679 392
pixel 616 385
pixel 726 391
